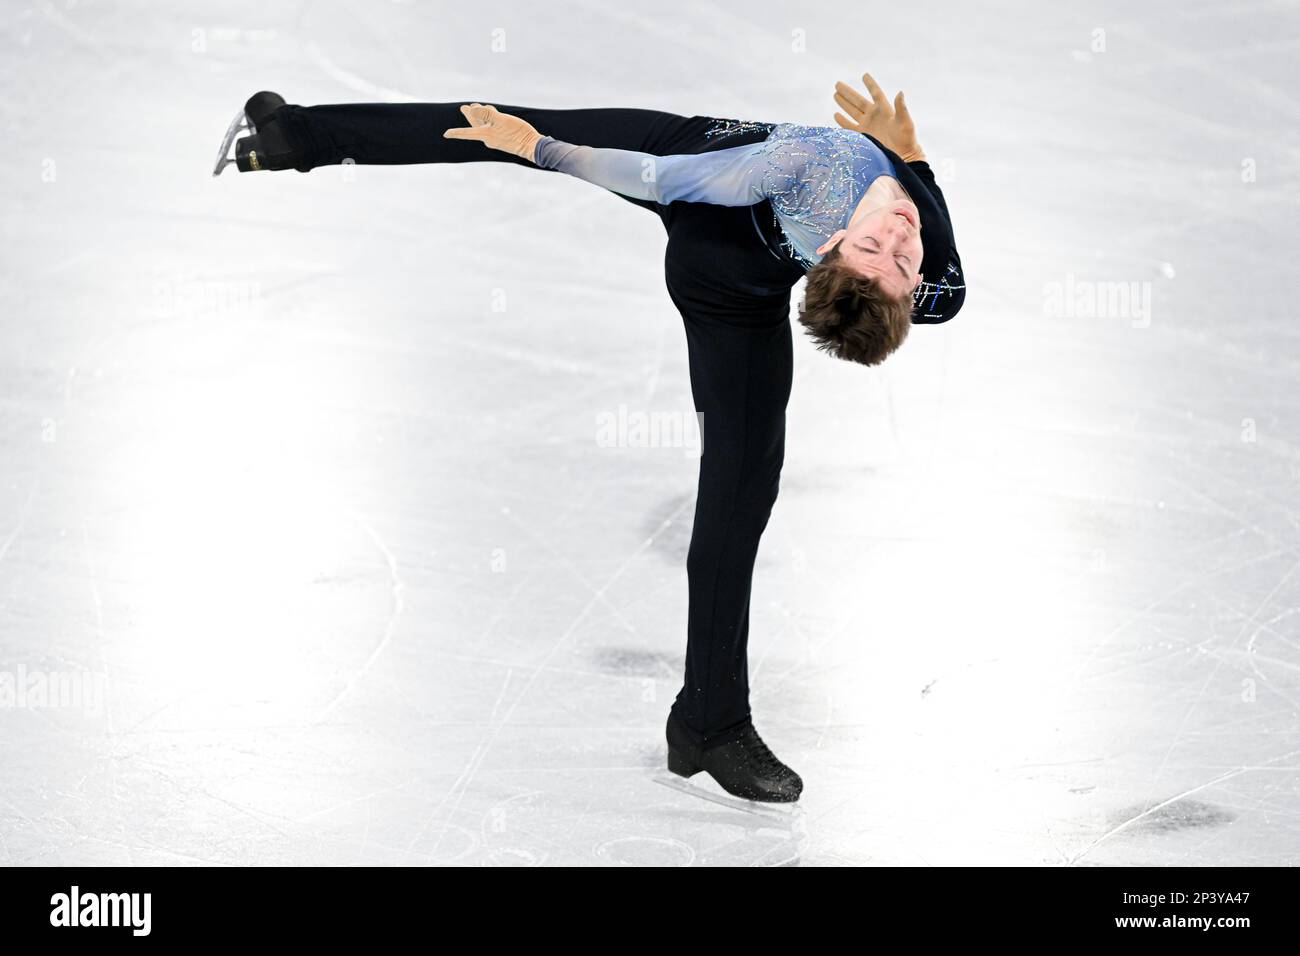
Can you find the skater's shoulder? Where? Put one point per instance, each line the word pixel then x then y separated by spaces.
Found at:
pixel 826 146
pixel 802 132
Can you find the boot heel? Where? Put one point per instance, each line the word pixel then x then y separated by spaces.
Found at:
pixel 680 764
pixel 247 159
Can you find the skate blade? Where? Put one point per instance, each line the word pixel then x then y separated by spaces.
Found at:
pixel 224 159
pixel 786 816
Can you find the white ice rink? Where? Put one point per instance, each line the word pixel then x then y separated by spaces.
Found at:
pixel 312 550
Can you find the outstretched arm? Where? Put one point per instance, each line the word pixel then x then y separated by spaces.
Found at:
pixel 726 177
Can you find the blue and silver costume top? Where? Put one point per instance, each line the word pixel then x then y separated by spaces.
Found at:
pixel 814 177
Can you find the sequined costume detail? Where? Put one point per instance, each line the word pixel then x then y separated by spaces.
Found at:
pixel 814 177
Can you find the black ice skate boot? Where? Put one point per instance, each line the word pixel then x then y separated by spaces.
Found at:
pixel 268 147
pixel 742 764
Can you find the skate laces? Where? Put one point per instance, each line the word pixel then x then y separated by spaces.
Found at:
pixel 761 753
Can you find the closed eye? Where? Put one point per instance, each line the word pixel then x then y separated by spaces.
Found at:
pixel 902 270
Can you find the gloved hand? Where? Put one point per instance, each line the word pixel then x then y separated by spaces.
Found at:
pixel 498 130
pixel 891 125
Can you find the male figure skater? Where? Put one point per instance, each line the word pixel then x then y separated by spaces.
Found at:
pixel 749 208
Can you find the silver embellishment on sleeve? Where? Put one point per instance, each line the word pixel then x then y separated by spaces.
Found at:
pixel 931 299
pixel 721 128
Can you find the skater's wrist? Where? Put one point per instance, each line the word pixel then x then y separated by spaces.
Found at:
pixel 528 149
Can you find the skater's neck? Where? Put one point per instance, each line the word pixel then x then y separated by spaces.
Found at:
pixel 883 191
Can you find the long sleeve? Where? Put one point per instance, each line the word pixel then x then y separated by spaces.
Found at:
pixel 725 177
pixel 943 292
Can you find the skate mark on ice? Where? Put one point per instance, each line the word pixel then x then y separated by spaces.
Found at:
pixel 673 539
pixel 1204 578
pixel 633 662
pixel 645 851
pixel 354 82
pixel 461 786
pixel 1191 708
pixel 786 825
pixel 1221 778
pixel 97 46
pixel 21 522
pixel 1180 815
pixel 544 543
pixel 397 589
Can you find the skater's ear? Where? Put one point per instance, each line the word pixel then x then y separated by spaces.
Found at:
pixel 832 242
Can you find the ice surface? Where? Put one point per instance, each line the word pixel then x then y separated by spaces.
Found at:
pixel 304 496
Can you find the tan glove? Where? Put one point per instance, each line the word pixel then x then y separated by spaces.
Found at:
pixel 498 130
pixel 891 125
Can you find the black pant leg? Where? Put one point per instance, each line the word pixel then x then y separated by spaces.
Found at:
pixel 406 133
pixel 740 380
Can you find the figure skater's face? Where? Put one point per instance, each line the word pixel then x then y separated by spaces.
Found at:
pixel 883 244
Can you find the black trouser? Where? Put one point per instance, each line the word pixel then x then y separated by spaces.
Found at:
pixel 733 295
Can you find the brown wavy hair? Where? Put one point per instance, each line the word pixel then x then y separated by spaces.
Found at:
pixel 849 316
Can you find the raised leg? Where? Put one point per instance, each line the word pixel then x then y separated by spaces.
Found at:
pixel 405 133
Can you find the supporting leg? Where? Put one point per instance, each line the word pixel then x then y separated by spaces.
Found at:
pixel 740 378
